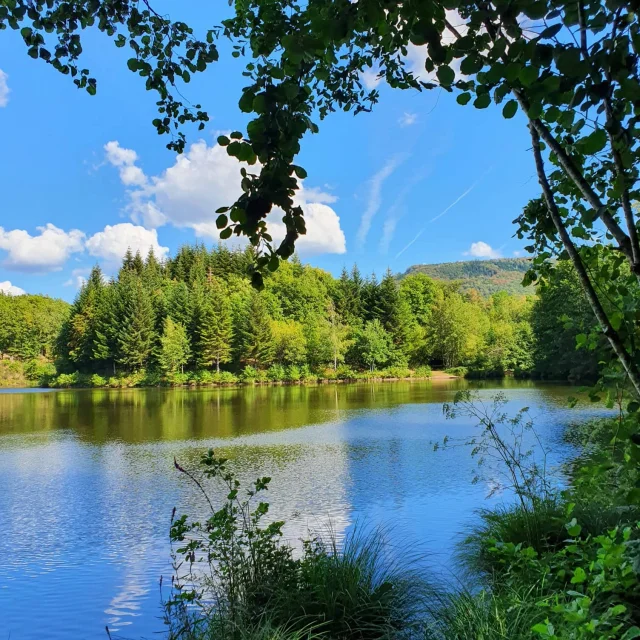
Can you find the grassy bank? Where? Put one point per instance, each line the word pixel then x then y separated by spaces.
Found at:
pixel 275 375
pixel 554 565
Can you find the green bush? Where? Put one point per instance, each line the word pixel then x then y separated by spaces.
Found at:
pixel 423 371
pixel 178 378
pixel 345 372
pixel 307 375
pixel 249 374
pixel 204 376
pixel 396 371
pixel 39 370
pixel 293 373
pixel 351 591
pixel 97 381
pixel 66 380
pixel 329 374
pixel 459 372
pixel 276 373
pixel 225 377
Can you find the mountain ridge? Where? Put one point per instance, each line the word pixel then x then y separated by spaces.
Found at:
pixel 485 276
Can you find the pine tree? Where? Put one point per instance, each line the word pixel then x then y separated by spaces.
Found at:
pixel 80 333
pixel 104 343
pixel 395 314
pixel 216 327
pixel 175 350
pixel 370 296
pixel 179 305
pixel 127 262
pixel 256 337
pixel 135 337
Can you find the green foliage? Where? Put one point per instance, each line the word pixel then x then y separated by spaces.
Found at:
pixel 484 276
pixel 29 325
pixel 175 348
pixel 561 313
pixel 149 319
pixel 354 590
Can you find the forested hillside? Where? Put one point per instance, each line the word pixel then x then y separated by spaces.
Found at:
pixel 196 318
pixel 485 276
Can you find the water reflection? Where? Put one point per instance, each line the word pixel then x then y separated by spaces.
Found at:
pixel 88 485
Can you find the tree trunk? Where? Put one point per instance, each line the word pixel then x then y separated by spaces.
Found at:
pixel 611 334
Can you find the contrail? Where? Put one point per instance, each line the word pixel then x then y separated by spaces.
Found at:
pixel 453 204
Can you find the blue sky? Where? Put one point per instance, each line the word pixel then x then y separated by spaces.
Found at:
pixel 420 180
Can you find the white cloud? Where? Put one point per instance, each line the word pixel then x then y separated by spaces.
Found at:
pixel 78 278
pixel 9 289
pixel 407 119
pixel 47 251
pixel 482 250
pixel 205 178
pixel 112 243
pixel 517 254
pixel 370 78
pixel 125 160
pixel 375 197
pixel 4 89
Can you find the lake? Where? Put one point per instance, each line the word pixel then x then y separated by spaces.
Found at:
pixel 87 482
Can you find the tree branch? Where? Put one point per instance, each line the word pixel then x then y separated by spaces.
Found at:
pixel 611 334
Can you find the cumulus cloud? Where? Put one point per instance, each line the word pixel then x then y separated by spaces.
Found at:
pixel 4 89
pixel 77 279
pixel 112 243
pixel 9 289
pixel 47 251
pixel 407 119
pixel 205 178
pixel 370 78
pixel 482 250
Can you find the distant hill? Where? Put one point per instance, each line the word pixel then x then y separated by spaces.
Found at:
pixel 486 276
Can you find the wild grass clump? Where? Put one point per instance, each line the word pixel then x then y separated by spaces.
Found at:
pixel 236 575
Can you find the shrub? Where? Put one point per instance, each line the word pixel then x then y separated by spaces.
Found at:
pixel 329 374
pixel 97 381
pixel 307 375
pixel 225 377
pixel 178 378
pixel 345 372
pixel 276 373
pixel 39 370
pixel 396 371
pixel 336 592
pixel 459 372
pixel 66 380
pixel 423 371
pixel 151 379
pixel 204 376
pixel 293 373
pixel 249 374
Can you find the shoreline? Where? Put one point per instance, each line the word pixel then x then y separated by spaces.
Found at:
pixel 436 376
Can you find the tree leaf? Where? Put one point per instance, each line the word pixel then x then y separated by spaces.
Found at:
pixel 510 109
pixel 446 75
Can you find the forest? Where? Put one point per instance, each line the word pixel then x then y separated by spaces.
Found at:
pixel 196 318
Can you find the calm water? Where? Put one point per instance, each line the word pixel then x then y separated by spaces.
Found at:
pixel 87 483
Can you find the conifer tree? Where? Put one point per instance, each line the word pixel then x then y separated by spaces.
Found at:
pixel 175 350
pixel 80 334
pixel 135 337
pixel 216 327
pixel 256 338
pixel 138 264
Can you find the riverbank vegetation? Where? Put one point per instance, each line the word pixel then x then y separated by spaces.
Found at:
pixel 195 319
pixel 552 563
